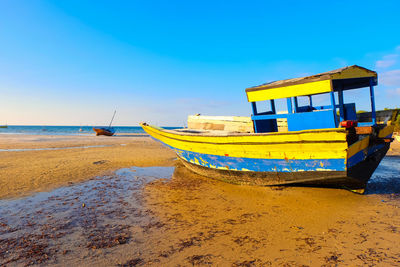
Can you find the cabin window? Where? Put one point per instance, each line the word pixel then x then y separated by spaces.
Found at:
pixel 321 102
pixel 361 100
pixel 281 106
pixel 264 107
pixel 304 101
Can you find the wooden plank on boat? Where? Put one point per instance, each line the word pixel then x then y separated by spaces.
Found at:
pixel 221 123
pixel 364 130
pixel 382 116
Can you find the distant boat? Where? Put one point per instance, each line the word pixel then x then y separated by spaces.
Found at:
pixel 108 131
pixel 3 126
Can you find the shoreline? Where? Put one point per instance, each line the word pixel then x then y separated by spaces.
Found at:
pixel 38 170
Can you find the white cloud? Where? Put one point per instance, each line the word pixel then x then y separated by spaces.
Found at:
pixel 390 78
pixel 387 61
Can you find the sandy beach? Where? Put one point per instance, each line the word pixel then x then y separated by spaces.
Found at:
pixel 394 149
pixel 93 215
pixel 24 172
pixel 37 170
pixel 155 133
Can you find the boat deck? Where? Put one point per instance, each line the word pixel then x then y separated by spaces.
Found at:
pixel 201 132
pixel 205 132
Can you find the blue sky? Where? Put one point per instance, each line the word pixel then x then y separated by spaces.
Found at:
pixel 74 62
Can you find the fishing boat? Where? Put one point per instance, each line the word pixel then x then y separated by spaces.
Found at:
pixel 319 145
pixel 108 131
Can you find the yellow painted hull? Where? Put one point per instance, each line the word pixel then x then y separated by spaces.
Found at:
pixel 311 144
pixel 321 156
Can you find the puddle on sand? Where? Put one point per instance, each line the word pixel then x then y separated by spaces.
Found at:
pixel 386 178
pixel 75 221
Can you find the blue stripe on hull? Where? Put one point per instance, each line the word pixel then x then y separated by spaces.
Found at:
pixel 362 155
pixel 259 165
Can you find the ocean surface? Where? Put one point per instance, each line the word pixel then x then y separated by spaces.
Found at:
pixel 67 130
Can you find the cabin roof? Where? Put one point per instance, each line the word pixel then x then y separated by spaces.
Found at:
pixel 346 78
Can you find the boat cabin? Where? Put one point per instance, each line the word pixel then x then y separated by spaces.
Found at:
pixel 309 116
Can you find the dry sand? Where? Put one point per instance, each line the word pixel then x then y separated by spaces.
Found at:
pixel 191 220
pixel 394 149
pixel 205 221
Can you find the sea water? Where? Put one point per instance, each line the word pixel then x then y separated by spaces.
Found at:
pixel 66 130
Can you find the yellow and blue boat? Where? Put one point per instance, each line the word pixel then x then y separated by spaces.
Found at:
pixel 321 145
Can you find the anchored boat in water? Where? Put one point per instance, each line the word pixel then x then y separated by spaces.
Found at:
pixel 108 131
pixel 307 145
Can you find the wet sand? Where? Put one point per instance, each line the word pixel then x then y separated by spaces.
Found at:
pixel 35 170
pixel 84 157
pixel 212 222
pixel 142 216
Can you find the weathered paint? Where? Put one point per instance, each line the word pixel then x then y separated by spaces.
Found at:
pixel 261 165
pixel 334 134
pixel 299 145
pixel 275 158
pixel 358 146
pixel 363 154
pixel 386 132
pixel 358 151
pixel 267 163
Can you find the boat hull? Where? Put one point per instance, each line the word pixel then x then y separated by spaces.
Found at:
pixel 354 179
pixel 316 158
pixel 102 131
pixel 265 178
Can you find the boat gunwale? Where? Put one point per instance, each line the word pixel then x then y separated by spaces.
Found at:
pixel 258 143
pixel 232 134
